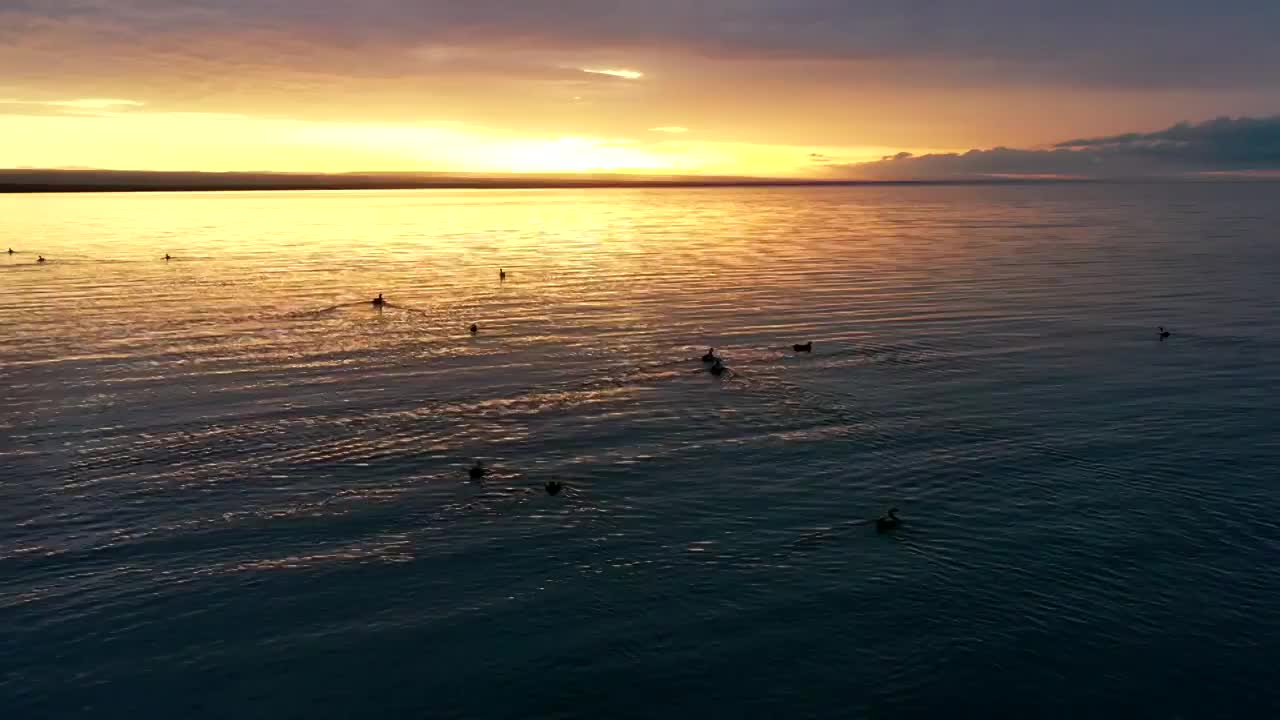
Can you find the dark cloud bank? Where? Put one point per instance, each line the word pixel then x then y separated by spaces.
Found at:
pixel 1241 146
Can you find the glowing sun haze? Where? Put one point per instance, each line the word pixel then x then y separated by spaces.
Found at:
pixel 802 88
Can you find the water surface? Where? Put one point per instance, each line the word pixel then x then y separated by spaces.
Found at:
pixel 230 487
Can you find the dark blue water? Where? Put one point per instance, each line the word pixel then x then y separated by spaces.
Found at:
pixel 229 487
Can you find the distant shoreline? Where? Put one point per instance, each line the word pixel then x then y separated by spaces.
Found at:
pixel 89 188
pixel 35 181
pixel 102 181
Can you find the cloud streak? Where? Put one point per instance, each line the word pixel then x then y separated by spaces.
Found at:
pixel 615 72
pixel 73 107
pixel 85 103
pixel 1223 145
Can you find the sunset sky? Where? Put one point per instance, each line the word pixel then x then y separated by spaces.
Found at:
pixel 794 88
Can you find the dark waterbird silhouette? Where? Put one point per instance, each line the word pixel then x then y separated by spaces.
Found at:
pixel 10 251
pixel 378 301
pixel 40 259
pixel 166 257
pixel 474 328
pixel 710 356
pixel 1163 333
pixel 502 274
pixel 890 521
pixel 807 347
pixel 477 471
pixel 718 368
pixel 553 487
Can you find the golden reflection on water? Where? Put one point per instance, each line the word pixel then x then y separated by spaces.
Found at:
pixel 248 269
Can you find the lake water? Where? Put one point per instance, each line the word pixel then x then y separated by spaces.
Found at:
pixel 230 487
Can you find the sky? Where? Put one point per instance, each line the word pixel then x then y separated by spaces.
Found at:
pixel 873 89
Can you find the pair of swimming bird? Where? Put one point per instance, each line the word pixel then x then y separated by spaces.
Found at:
pixel 478 471
pixel 380 302
pixel 890 521
pixel 39 258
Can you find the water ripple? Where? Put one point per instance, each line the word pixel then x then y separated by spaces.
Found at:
pixel 233 460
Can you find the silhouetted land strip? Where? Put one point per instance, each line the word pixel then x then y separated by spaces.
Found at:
pixel 56 181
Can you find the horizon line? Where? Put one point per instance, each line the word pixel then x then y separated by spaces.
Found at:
pixel 82 180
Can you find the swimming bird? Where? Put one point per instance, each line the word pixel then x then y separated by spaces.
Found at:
pixel 10 251
pixel 718 368
pixel 502 274
pixel 166 257
pixel 474 328
pixel 710 356
pixel 889 522
pixel 40 258
pixel 807 347
pixel 477 471
pixel 554 487
pixel 378 301
pixel 1163 333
